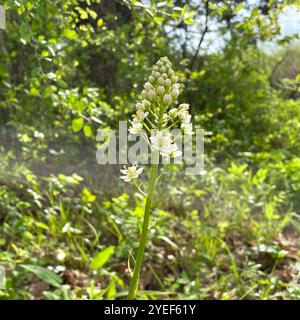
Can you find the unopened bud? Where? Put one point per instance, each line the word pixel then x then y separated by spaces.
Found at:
pixel 167 99
pixel 140 106
pixel 175 93
pixel 168 66
pixel 151 80
pixel 168 83
pixel 161 90
pixel 157 74
pixel 176 86
pixel 174 79
pixel 150 95
pixel 161 81
pixel 148 86
pixel 163 69
pixel 170 73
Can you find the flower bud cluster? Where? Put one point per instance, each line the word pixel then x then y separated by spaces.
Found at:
pixel 162 85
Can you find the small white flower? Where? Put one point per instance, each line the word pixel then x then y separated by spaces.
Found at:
pixel 184 116
pixel 171 151
pixel 61 256
pixel 140 106
pixel 187 128
pixel 60 269
pixel 162 141
pixel 183 113
pixel 136 127
pixel 173 113
pixel 165 119
pixel 184 106
pixel 131 173
pixel 140 115
pixel 174 151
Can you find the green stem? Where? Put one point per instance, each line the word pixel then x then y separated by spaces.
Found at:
pixel 139 188
pixel 134 281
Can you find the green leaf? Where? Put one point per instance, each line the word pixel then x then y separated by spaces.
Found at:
pixel 2 70
pixel 45 53
pixel 102 257
pixel 138 3
pixel 100 22
pixel 183 11
pixel 87 130
pixel 212 6
pixel 62 84
pixel 29 6
pixel 158 20
pixel 92 13
pixel 111 290
pixel 189 18
pixel 87 196
pixel 169 242
pixel 44 274
pixel 83 15
pixel 239 7
pixel 70 34
pixel 77 124
pixel 149 12
pixel 25 32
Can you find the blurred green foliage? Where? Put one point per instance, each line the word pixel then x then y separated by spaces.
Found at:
pixel 70 67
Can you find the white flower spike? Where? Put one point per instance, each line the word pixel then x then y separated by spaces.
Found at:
pixel 159 93
pixel 157 114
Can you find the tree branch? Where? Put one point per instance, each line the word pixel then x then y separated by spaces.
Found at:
pixel 201 38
